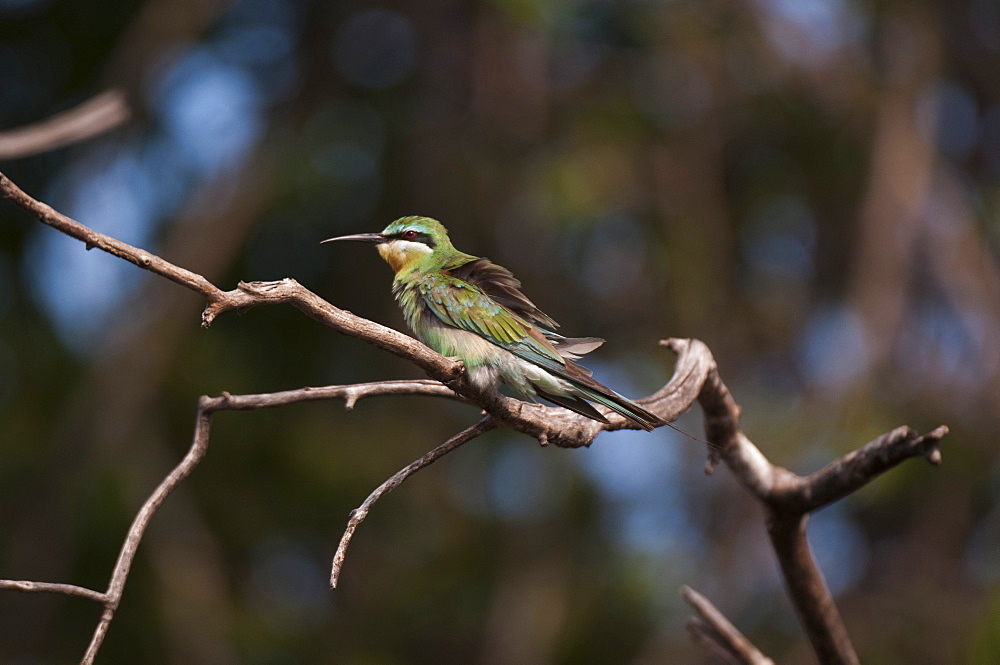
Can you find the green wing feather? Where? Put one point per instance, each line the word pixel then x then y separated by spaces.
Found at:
pixel 463 305
pixel 467 306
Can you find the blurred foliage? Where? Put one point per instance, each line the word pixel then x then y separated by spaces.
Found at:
pixel 810 186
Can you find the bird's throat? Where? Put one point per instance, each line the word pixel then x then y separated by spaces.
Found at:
pixel 402 255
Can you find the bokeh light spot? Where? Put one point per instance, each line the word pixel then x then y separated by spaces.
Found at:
pixel 834 351
pixel 948 116
pixel 212 109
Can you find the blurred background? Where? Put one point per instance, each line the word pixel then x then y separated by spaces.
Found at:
pixel 809 186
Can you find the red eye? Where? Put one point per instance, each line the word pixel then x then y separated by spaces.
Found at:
pixel 410 235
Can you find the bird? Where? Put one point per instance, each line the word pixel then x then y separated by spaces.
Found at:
pixel 469 308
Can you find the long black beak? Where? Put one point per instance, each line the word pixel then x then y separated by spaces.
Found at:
pixel 374 238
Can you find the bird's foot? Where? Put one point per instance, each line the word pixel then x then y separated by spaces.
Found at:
pixel 457 370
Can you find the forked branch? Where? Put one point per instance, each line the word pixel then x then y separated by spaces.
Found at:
pixel 111 598
pixel 787 497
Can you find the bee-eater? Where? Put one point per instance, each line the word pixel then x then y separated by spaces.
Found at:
pixel 469 308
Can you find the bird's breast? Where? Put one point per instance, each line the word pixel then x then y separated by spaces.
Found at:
pixel 455 342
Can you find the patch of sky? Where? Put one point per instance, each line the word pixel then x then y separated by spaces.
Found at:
pixel 210 101
pixel 948 117
pixel 519 482
pixel 833 349
pixel 164 162
pixel 641 477
pixel 113 192
pixel 512 480
pixel 991 140
pixel 211 109
pixel 842 550
pixel 812 32
pixel 938 343
pixel 375 49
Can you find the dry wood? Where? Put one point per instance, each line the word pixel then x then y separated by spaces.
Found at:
pixel 787 497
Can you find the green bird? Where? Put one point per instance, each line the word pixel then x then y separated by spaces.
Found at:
pixel 469 308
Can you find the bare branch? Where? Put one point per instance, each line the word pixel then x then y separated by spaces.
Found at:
pixel 120 573
pixel 359 514
pixel 808 590
pixel 547 424
pixel 206 407
pixel 858 468
pixel 87 120
pixel 714 631
pixel 350 394
pixel 145 260
pixel 787 497
pixel 53 587
pixel 704 636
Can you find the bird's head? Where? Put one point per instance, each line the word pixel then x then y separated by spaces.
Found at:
pixel 408 243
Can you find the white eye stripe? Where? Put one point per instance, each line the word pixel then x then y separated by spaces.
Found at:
pixel 408 246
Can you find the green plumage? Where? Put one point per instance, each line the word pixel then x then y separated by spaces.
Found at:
pixel 470 308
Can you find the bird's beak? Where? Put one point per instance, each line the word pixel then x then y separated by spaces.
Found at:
pixel 374 238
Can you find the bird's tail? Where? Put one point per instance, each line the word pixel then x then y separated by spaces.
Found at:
pixel 583 387
pixel 590 390
pixel 621 405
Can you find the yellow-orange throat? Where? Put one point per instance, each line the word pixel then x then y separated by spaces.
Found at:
pixel 401 254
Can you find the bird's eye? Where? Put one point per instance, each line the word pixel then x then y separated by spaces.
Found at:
pixel 410 235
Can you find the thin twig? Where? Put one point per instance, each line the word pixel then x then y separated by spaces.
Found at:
pixel 206 407
pixel 53 587
pixel 359 514
pixel 705 636
pixel 95 116
pixel 120 573
pixel 787 497
pixel 349 393
pixel 91 239
pixel 858 468
pixel 547 424
pixel 715 628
